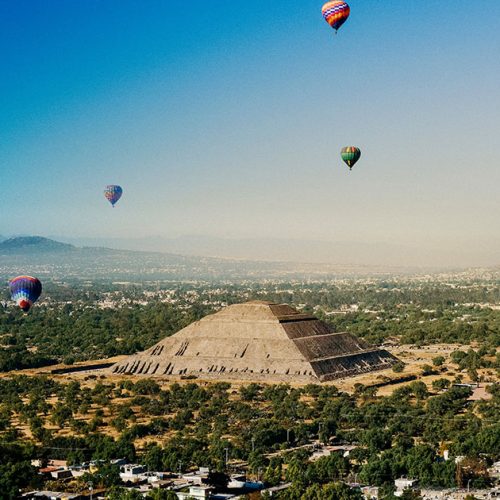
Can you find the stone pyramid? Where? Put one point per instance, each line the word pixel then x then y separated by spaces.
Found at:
pixel 260 341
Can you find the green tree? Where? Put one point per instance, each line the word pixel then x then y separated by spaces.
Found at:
pixel 250 392
pixel 441 384
pixel 331 468
pixel 409 494
pixel 153 457
pixel 273 472
pixel 106 476
pixel 419 389
pixel 438 361
pixel 398 367
pixel 61 414
pixel 159 494
pixel 146 386
pixel 15 475
pixel 332 491
pixel 427 370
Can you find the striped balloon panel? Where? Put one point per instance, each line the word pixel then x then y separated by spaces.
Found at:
pixel 336 13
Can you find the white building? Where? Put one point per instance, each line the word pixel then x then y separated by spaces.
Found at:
pixel 197 492
pixel 404 484
pixel 132 473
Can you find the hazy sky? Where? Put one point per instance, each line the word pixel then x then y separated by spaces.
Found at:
pixel 225 118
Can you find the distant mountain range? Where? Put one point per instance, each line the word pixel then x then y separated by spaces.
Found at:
pixel 47 257
pixel 32 245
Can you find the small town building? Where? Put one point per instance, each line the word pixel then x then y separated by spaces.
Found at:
pixel 274 490
pixel 369 492
pixel 56 472
pixel 198 477
pixel 132 473
pixel 403 484
pixel 52 495
pixel 196 492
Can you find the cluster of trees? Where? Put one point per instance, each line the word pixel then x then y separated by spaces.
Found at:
pixel 16 471
pixel 191 425
pixel 67 333
pixel 410 325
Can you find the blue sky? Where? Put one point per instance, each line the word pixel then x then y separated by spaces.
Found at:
pixel 225 119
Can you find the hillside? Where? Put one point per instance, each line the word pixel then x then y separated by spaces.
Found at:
pixel 32 245
pixel 46 257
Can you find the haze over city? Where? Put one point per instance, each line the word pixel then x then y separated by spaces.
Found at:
pixel 223 124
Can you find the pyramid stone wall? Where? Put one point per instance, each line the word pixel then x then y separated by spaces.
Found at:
pixel 258 341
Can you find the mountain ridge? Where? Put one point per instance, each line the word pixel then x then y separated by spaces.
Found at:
pixel 47 257
pixel 27 244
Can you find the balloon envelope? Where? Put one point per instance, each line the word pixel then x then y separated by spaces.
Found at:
pixel 336 13
pixel 350 155
pixel 113 193
pixel 25 290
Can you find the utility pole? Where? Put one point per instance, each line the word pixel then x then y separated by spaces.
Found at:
pixel 91 488
pixel 320 427
pixel 288 435
pixel 253 444
pixel 227 455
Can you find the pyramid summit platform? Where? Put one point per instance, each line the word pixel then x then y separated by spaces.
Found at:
pixel 261 341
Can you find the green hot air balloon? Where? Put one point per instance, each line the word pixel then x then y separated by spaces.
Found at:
pixel 350 155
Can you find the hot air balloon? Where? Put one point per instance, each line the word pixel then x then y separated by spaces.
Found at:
pixel 350 155
pixel 113 193
pixel 336 13
pixel 25 290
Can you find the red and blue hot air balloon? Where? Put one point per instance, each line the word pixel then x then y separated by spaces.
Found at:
pixel 25 290
pixel 336 13
pixel 113 193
